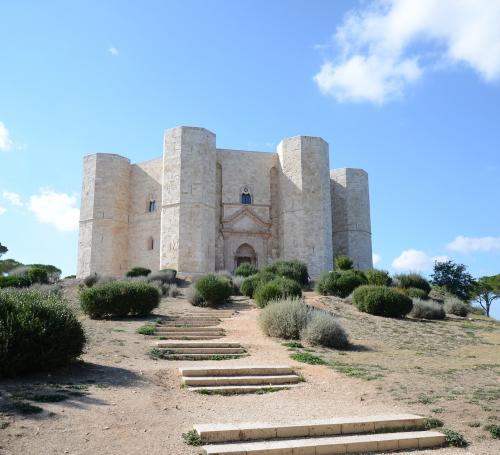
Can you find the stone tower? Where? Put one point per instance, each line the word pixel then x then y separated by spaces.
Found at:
pixel 305 203
pixel 188 212
pixel 103 238
pixel 351 225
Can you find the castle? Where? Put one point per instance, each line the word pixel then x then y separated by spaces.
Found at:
pixel 200 209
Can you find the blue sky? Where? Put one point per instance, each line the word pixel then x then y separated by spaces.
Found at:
pixel 409 91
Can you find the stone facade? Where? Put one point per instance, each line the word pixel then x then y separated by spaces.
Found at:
pixel 200 209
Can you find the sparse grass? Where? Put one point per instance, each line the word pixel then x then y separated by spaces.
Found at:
pixel 474 424
pixel 293 345
pixel 432 422
pixel 192 438
pixel 494 430
pixel 147 329
pixel 426 399
pixel 307 357
pixel 47 397
pixel 438 410
pixel 25 408
pixel 453 438
pixel 355 371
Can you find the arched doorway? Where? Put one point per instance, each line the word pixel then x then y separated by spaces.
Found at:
pixel 245 254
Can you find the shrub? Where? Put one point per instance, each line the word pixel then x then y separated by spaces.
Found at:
pixel 343 263
pixel 138 271
pixel 412 280
pixel 91 280
pixel 323 329
pixel 147 329
pixel 158 284
pixel 278 288
pixel 494 430
pixel 416 293
pixel 295 270
pixel 53 273
pixel 70 277
pixel 237 282
pixel 245 270
pixel 38 275
pixel 37 332
pixel 194 297
pixel 251 283
pixel 173 290
pixel 427 309
pixel 285 318
pixel 378 277
pixel 382 301
pixel 340 284
pixel 213 290
pixel 165 276
pixel 13 282
pixel 119 299
pixel 456 306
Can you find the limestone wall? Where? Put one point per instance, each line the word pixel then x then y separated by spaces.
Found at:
pixel 305 203
pixel 351 233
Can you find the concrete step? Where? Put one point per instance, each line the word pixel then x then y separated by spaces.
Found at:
pixel 331 445
pixel 197 344
pixel 243 370
pixel 189 329
pixel 215 313
pixel 166 321
pixel 202 356
pixel 240 380
pixel 189 324
pixel 189 332
pixel 309 428
pixel 240 389
pixel 190 337
pixel 204 350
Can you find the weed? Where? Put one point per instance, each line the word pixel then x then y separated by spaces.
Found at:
pixel 453 438
pixel 437 410
pixel 425 399
pixel 354 371
pixel 155 354
pixel 293 345
pixel 494 430
pixel 306 357
pixel 432 422
pixel 192 438
pixel 474 424
pixel 147 329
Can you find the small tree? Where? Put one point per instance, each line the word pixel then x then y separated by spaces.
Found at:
pixel 3 249
pixel 6 265
pixel 343 263
pixel 454 278
pixel 486 290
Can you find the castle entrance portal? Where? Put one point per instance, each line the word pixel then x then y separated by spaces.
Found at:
pixel 245 254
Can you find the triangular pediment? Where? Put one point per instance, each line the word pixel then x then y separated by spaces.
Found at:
pixel 245 220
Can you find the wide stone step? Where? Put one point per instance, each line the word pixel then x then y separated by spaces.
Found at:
pixel 240 380
pixel 190 324
pixel 309 428
pixel 212 314
pixel 243 370
pixel 190 332
pixel 197 344
pixel 241 389
pixel 202 356
pixel 332 445
pixel 204 350
pixel 210 320
pixel 181 336
pixel 189 329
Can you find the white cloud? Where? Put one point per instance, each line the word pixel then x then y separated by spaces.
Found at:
pixel 13 198
pixel 390 43
pixel 113 50
pixel 2 210
pixel 6 143
pixel 56 209
pixel 416 260
pixel 376 258
pixel 464 244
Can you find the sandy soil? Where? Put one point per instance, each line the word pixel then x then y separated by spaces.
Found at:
pixel 123 402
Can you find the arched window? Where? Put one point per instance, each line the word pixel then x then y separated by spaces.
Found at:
pixel 151 243
pixel 152 205
pixel 246 197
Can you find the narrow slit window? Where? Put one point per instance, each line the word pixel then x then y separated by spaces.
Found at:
pixel 152 205
pixel 151 243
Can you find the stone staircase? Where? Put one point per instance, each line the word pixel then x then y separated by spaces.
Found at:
pixel 238 379
pixel 199 350
pixel 320 437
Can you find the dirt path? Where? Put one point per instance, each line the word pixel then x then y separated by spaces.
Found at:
pixel 126 403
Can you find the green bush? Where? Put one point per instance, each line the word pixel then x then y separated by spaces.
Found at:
pixel 237 282
pixel 245 270
pixel 194 297
pixel 279 288
pixel 38 275
pixel 323 329
pixel 213 290
pixel 340 284
pixel 295 270
pixel 119 298
pixel 412 280
pixel 343 263
pixel 382 301
pixel 138 271
pixel 37 332
pixel 416 293
pixel 166 276
pixel 91 280
pixel 427 309
pixel 455 306
pixel 53 273
pixel 378 277
pixel 285 318
pixel 13 282
pixel 251 283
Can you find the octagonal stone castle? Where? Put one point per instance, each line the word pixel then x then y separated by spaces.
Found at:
pixel 200 209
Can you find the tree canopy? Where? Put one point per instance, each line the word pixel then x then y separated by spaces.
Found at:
pixel 454 278
pixel 3 249
pixel 486 290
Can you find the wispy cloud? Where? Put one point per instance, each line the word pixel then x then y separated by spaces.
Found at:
pixel 2 210
pixel 416 260
pixel 464 244
pixel 56 209
pixel 113 50
pixel 389 44
pixel 6 143
pixel 13 198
